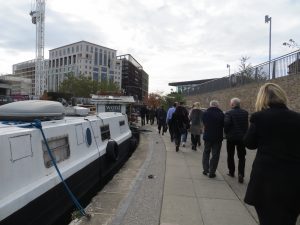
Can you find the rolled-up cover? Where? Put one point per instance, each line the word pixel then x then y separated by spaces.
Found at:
pixel 31 110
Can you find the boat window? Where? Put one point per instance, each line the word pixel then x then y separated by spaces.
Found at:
pixel 60 148
pixel 122 123
pixel 105 132
pixel 16 151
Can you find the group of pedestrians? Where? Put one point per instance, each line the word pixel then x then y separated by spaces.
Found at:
pixel 274 186
pixel 147 114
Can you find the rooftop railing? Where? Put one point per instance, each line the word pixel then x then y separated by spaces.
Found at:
pixel 285 65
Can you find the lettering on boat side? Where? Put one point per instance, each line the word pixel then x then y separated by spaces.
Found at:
pixel 113 108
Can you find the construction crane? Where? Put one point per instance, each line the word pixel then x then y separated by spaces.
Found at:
pixel 38 18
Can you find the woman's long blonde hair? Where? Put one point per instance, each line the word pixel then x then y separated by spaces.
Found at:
pixel 270 93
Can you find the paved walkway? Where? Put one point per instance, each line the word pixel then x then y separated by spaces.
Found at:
pixel 190 198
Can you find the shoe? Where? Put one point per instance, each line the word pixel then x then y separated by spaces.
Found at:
pixel 177 148
pixel 162 133
pixel 183 144
pixel 205 173
pixel 241 179
pixel 230 174
pixel 194 148
pixel 212 175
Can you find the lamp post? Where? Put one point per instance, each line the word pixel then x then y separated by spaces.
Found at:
pixel 267 20
pixel 228 66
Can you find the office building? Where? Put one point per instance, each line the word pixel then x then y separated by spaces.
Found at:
pixel 83 58
pixel 135 81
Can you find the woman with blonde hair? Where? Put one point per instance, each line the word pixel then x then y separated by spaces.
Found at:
pixel 274 186
pixel 195 117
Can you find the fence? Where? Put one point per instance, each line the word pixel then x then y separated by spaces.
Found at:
pixel 282 66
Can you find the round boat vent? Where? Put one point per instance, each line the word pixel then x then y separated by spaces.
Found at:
pixel 88 136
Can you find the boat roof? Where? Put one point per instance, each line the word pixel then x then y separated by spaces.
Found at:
pixel 15 126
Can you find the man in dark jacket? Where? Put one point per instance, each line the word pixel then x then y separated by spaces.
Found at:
pixel 180 122
pixel 143 112
pixel 235 127
pixel 213 121
pixel 161 119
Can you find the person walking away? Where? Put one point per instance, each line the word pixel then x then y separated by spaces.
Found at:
pixel 196 124
pixel 152 115
pixel 161 118
pixel 274 183
pixel 147 115
pixel 180 122
pixel 187 126
pixel 143 112
pixel 170 112
pixel 213 121
pixel 235 127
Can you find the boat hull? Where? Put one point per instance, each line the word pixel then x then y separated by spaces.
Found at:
pixel 55 206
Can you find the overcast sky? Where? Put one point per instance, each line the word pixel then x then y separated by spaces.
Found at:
pixel 174 40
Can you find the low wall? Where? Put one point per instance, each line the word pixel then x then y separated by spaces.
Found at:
pixel 248 93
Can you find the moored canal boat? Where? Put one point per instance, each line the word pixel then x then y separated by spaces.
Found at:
pixel 88 151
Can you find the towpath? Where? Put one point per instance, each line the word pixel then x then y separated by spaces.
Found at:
pixel 160 186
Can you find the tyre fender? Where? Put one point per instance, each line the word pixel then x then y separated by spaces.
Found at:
pixel 112 150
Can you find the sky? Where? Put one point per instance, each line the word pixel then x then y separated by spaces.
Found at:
pixel 174 40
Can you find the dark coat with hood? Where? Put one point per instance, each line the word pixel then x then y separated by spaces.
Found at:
pixel 275 175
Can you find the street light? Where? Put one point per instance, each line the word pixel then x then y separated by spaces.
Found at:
pixel 267 20
pixel 228 66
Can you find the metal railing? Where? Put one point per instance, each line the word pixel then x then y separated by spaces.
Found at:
pixel 285 65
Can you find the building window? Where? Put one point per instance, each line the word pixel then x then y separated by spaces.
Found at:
pixel 95 76
pixel 87 48
pixel 96 59
pixel 105 58
pixel 100 58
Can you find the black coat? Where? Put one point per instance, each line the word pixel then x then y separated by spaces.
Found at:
pixel 161 116
pixel 275 175
pixel 236 124
pixel 180 120
pixel 213 121
pixel 143 111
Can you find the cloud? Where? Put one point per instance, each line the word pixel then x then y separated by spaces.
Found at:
pixel 174 40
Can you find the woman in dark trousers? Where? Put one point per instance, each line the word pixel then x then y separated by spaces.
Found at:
pixel 274 186
pixel 195 117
